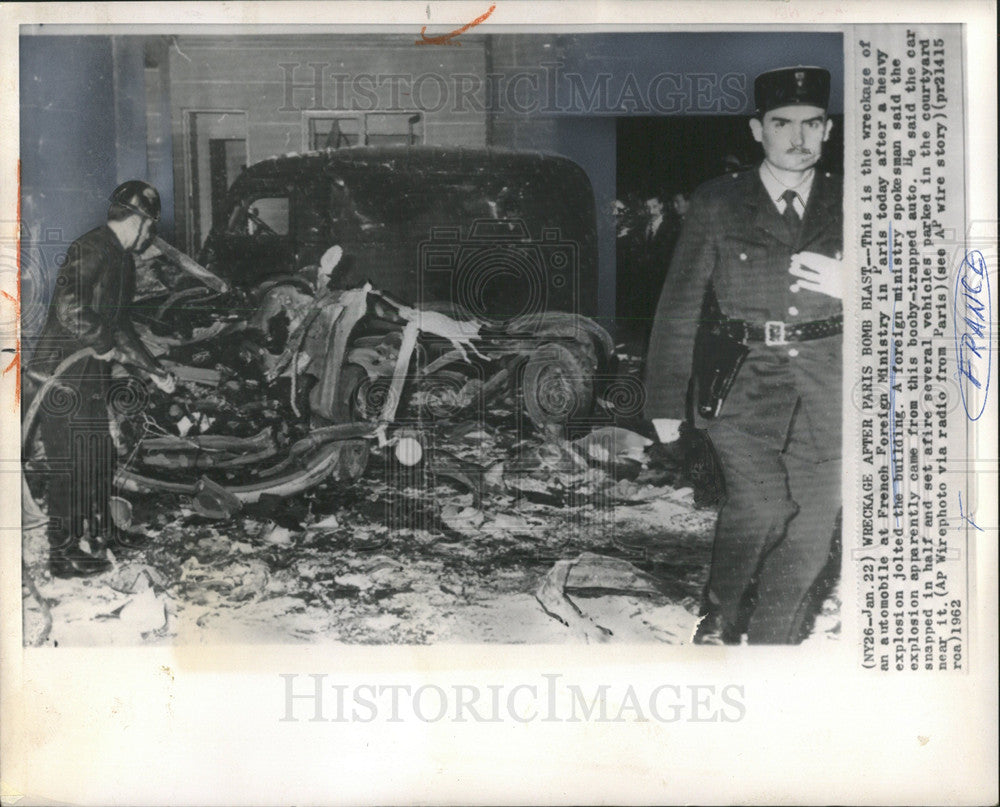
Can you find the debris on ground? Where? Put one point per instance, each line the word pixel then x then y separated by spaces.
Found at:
pixel 406 555
pixel 562 592
pixel 267 522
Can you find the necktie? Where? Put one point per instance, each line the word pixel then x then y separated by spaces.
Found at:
pixel 791 215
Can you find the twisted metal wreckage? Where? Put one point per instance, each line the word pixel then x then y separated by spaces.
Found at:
pixel 332 370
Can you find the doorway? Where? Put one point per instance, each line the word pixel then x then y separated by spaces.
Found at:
pixel 217 152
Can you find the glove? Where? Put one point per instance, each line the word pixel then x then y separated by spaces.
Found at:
pixel 114 354
pixel 818 273
pixel 668 430
pixel 670 451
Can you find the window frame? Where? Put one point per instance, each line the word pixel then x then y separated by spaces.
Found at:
pixel 308 116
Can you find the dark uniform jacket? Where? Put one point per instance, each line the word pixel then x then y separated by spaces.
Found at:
pixel 735 239
pixel 89 306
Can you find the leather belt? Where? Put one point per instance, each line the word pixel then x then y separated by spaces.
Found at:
pixel 774 332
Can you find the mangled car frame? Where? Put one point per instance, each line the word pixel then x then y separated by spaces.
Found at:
pixel 351 295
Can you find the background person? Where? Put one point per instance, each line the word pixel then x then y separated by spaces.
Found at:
pixel 644 260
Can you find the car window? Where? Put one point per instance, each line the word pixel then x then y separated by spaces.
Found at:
pixel 266 215
pixel 411 210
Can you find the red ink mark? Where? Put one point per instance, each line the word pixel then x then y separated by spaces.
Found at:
pixel 445 39
pixel 15 363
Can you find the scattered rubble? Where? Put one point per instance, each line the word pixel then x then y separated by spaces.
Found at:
pixel 400 558
pixel 280 503
pixel 589 574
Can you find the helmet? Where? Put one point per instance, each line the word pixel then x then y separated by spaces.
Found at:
pixel 139 197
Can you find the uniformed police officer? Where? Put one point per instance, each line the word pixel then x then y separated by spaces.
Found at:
pixel 769 241
pixel 90 308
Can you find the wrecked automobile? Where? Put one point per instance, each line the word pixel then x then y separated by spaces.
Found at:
pixel 504 239
pixel 347 292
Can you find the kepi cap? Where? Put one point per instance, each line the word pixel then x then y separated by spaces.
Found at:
pixel 792 86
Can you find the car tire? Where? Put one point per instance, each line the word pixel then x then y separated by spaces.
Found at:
pixel 439 395
pixel 359 397
pixel 557 385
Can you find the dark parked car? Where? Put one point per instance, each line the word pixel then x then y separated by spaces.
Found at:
pixel 503 238
pixel 367 290
pixel 499 233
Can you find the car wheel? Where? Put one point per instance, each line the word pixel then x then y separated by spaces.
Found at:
pixel 557 385
pixel 359 397
pixel 443 395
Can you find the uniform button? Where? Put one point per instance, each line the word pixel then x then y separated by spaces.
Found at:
pixel 794 288
pixel 793 353
pixel 743 256
pixel 793 311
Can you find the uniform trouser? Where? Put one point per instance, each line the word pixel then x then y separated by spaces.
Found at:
pixel 80 455
pixel 773 537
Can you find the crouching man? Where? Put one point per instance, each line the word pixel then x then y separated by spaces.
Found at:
pixel 90 309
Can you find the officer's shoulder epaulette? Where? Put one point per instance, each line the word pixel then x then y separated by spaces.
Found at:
pixel 725 184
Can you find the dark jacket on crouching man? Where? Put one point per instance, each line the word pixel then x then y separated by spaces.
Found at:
pixel 90 309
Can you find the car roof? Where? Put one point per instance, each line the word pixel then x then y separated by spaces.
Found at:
pixel 424 160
